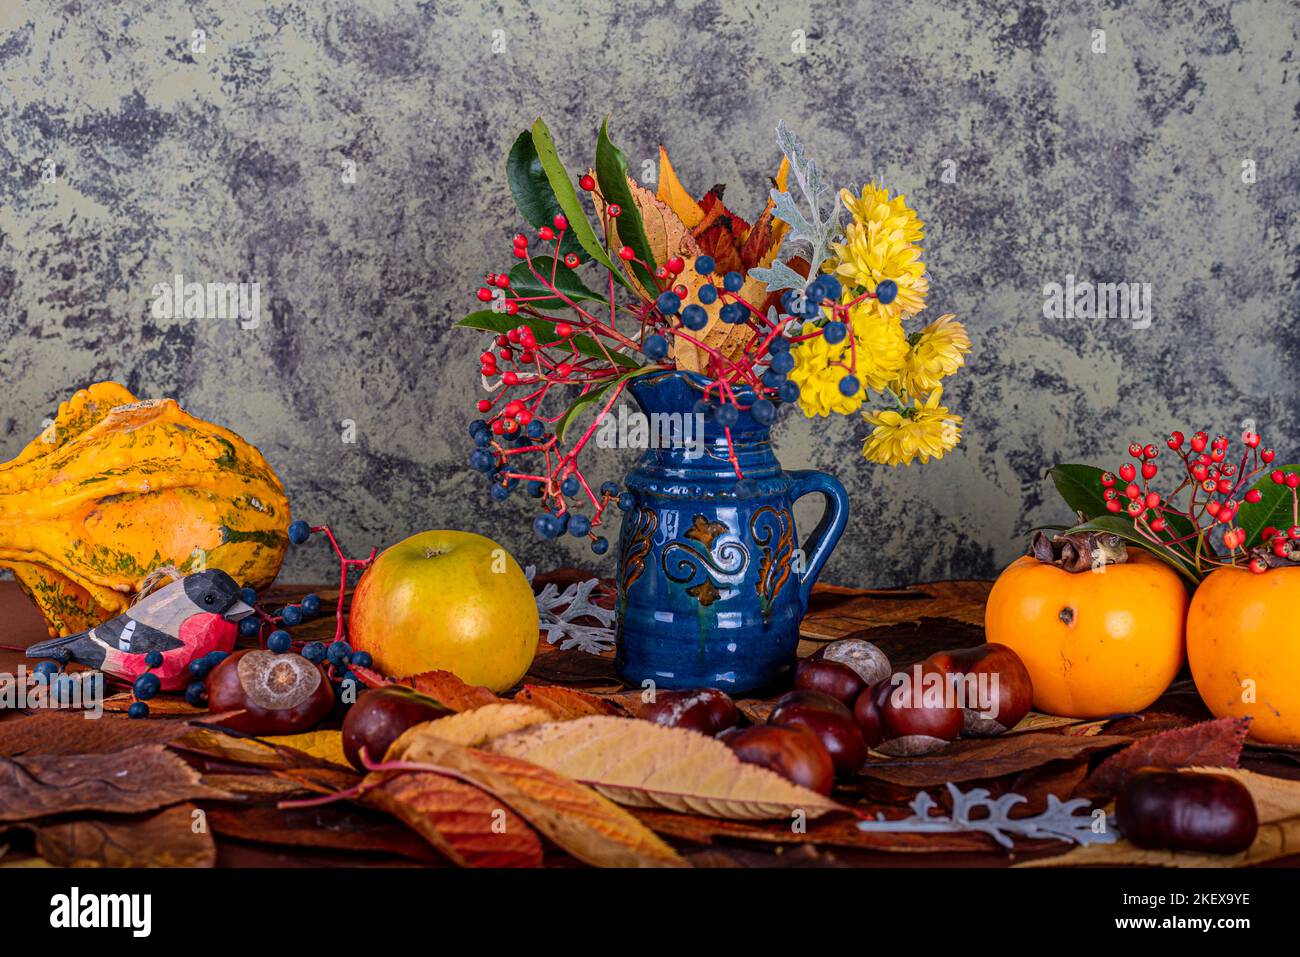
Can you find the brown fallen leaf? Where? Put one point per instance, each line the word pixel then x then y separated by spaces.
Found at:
pixel 835 831
pixel 168 838
pixel 1215 743
pixel 568 666
pixel 62 732
pixel 588 826
pixel 470 729
pixel 141 778
pixel 465 823
pixel 344 827
pixel 1277 804
pixel 563 704
pixel 253 786
pixel 843 613
pixel 971 759
pixel 643 764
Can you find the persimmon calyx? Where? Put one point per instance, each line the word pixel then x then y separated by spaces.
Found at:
pixel 1079 551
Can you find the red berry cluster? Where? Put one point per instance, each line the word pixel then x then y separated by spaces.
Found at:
pixel 1215 489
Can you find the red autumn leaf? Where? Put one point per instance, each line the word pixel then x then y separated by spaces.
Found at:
pixel 1211 744
pixel 442 686
pixel 564 704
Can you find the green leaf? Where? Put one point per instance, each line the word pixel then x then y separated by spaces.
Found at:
pixel 499 322
pixel 611 172
pixel 567 197
pixel 1080 486
pixel 567 281
pixel 533 194
pixel 594 395
pixel 1275 508
pixel 1121 525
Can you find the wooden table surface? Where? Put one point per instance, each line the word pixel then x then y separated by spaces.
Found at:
pixel 908 624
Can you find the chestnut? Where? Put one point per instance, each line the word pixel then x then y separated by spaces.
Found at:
pixel 908 714
pixel 871 664
pixel 1208 813
pixel 706 710
pixel 379 718
pixel 275 693
pixel 829 677
pixel 829 719
pixel 794 753
pixel 996 690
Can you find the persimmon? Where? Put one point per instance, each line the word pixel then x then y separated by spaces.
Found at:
pixel 1095 643
pixel 1243 652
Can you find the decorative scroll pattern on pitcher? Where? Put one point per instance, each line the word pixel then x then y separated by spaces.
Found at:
pixel 636 546
pixel 773 531
pixel 699 560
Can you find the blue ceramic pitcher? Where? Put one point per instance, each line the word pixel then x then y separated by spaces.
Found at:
pixel 712 582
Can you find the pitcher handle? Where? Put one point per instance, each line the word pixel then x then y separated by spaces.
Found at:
pixel 819 545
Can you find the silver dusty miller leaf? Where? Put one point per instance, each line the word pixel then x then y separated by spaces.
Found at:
pixel 1059 821
pixel 810 235
pixel 558 612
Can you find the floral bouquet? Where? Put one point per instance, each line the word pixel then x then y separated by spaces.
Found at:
pixel 793 308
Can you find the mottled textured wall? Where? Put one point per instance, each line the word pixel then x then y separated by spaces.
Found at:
pixel 227 164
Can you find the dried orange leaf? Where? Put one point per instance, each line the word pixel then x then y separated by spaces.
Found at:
pixel 565 704
pixel 466 824
pixel 643 764
pixel 675 196
pixel 591 828
pixel 166 839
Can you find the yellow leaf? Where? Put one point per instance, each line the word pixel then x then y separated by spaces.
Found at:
pixel 326 745
pixel 1277 804
pixel 591 828
pixel 472 728
pixel 643 764
pixel 675 195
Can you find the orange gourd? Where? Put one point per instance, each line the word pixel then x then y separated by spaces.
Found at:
pixel 116 488
pixel 1096 643
pixel 1243 650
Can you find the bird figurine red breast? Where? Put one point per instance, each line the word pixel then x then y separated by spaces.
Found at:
pixel 183 621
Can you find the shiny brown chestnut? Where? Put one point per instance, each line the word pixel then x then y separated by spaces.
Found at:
pixel 908 714
pixel 706 710
pixel 277 694
pixel 379 718
pixel 831 678
pixel 794 753
pixel 871 664
pixel 995 686
pixel 830 720
pixel 1207 813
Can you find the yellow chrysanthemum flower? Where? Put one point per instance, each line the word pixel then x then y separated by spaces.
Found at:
pixel 876 358
pixel 924 430
pixel 937 351
pixel 870 255
pixel 889 215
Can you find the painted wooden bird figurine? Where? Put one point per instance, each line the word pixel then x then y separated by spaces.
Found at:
pixel 185 620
